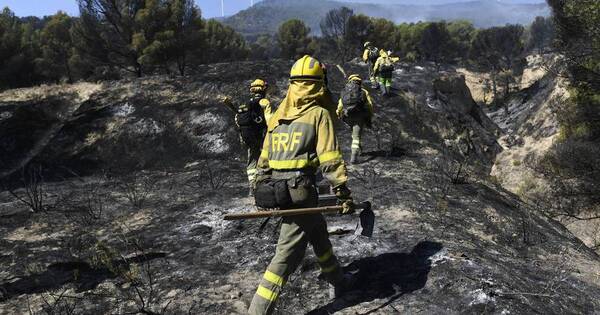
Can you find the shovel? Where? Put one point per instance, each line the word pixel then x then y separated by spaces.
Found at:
pixel 367 216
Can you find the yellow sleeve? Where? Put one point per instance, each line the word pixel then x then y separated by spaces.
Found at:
pixel 330 157
pixel 369 103
pixel 395 59
pixel 340 108
pixel 377 64
pixel 265 104
pixel 366 55
pixel 263 161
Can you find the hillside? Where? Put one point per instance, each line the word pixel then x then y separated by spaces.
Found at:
pixel 441 245
pixel 266 16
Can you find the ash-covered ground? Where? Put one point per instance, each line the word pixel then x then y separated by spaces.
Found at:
pixel 133 178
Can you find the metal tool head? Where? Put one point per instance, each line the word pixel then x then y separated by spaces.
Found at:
pixel 367 220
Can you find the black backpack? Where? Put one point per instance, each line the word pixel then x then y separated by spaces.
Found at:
pixel 354 99
pixel 387 67
pixel 251 121
pixel 373 54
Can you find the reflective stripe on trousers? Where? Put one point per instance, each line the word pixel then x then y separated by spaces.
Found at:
pixel 253 155
pixel 296 233
pixel 356 137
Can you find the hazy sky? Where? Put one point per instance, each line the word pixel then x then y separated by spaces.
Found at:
pixel 210 8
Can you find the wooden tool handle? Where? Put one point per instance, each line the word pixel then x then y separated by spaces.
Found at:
pixel 288 213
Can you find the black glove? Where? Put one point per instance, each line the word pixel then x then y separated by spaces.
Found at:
pixel 344 197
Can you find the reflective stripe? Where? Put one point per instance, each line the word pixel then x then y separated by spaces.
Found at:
pixel 288 164
pixel 330 156
pixel 323 258
pixel 266 293
pixel 329 269
pixel 273 278
pixel 355 146
pixel 252 171
pixel 264 154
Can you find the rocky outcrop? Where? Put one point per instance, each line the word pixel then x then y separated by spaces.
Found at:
pixel 530 128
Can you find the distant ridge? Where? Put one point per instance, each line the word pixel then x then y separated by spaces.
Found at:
pixel 266 16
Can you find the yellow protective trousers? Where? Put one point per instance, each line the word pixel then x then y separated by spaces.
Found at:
pixel 296 233
pixel 251 170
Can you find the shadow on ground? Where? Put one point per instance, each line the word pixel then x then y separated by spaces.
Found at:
pixel 85 276
pixel 387 276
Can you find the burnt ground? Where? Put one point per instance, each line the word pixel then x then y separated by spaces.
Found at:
pixel 153 241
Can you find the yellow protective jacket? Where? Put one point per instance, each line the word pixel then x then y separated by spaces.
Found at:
pixel 365 55
pixel 369 104
pixel 301 135
pixel 384 59
pixel 265 104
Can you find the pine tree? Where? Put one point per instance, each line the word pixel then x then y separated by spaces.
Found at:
pixel 293 38
pixel 57 48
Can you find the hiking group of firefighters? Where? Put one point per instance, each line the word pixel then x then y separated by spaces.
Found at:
pixel 286 148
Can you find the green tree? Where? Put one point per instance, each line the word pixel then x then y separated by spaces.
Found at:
pixel 359 30
pixel 383 35
pixel 578 39
pixel 57 48
pixel 408 39
pixel 435 44
pixel 223 43
pixel 152 40
pixel 105 33
pixel 334 28
pixel 264 48
pixel 188 33
pixel 541 33
pixel 293 38
pixel 572 163
pixel 169 33
pixel 19 47
pixel 462 33
pixel 499 50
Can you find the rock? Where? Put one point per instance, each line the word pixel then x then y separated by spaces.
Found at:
pixel 240 307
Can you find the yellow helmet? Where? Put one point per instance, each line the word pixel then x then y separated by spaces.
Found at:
pixel 367 44
pixel 258 86
pixel 354 77
pixel 307 68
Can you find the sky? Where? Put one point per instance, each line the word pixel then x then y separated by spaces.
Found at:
pixel 210 8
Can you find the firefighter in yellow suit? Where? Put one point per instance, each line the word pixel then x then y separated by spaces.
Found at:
pixel 301 139
pixel 258 100
pixel 358 114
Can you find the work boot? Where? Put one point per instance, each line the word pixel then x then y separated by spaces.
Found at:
pixel 374 84
pixel 345 285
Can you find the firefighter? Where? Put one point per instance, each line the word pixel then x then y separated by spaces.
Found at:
pixel 370 56
pixel 251 118
pixel 355 108
pixel 384 70
pixel 301 139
